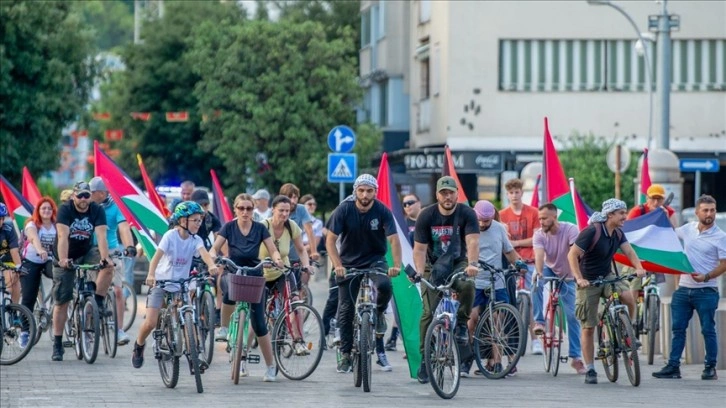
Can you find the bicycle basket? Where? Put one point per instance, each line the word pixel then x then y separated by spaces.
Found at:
pixel 246 288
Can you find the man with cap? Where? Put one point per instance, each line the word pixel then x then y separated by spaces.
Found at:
pixel 365 227
pixel 439 228
pixel 78 221
pixel 116 226
pixel 262 209
pixel 210 223
pixel 590 258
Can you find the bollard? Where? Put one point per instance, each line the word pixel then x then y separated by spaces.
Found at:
pixel 721 333
pixel 666 335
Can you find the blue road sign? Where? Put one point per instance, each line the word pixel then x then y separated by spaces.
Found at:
pixel 341 139
pixel 702 165
pixel 342 167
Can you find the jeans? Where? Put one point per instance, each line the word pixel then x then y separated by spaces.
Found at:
pixel 705 302
pixel 331 305
pixel 567 298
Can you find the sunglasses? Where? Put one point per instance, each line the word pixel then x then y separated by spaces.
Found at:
pixel 241 208
pixel 84 195
pixel 409 203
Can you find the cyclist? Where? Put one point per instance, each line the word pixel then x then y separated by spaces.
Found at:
pixel 438 228
pixel 78 221
pixel 187 188
pixel 493 243
pixel 172 261
pixel 551 245
pixel 705 247
pixel 590 258
pixel 302 218
pixel 9 251
pixel 244 237
pixel 37 253
pixel 521 221
pixel 262 205
pixel 364 224
pixel 117 226
pixel 311 205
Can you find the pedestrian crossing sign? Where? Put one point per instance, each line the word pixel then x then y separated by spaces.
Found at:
pixel 342 167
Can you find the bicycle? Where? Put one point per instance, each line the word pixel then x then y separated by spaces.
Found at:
pixel 441 352
pixel 14 319
pixel 83 326
pixel 129 295
pixel 500 335
pixel 176 335
pixel 43 312
pixel 203 298
pixel 524 305
pixel 242 289
pixel 648 322
pixel 615 335
pixel 305 293
pixel 554 327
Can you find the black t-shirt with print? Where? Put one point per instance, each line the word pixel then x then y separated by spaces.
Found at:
pixel 244 250
pixel 8 241
pixel 436 230
pixel 81 226
pixel 363 235
pixel 597 263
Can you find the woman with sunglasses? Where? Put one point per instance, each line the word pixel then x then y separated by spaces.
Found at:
pixel 41 237
pixel 244 237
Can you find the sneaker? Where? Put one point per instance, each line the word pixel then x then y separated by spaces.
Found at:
pixel 422 376
pixel 591 377
pixel 300 348
pixel 57 352
pixel 537 349
pixel 345 365
pixel 137 357
pixel 270 374
pixel 539 329
pixel 383 362
pixel 243 368
pixel 668 371
pixel 24 340
pixel 381 325
pixel 123 338
pixel 709 373
pixel 579 366
pixel 221 334
pixel 391 344
pixel 464 369
pixel 512 372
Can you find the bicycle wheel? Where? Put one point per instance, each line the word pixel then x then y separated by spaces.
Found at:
pixel 652 324
pixel 74 329
pixel 192 350
pixel 90 330
pixel 606 349
pixel 239 349
pixel 628 348
pixel 441 356
pixel 14 318
pixel 355 357
pixel 42 318
pixel 306 295
pixel 524 304
pixel 205 308
pixel 130 305
pixel 557 339
pixel 168 361
pixel 298 361
pixel 108 325
pixel 498 340
pixel 364 345
pixel 548 340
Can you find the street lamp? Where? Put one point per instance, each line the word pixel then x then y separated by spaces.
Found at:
pixel 646 54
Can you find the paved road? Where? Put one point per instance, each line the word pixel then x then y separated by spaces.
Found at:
pixel 38 382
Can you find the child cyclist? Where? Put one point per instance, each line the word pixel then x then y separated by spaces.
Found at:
pixel 172 261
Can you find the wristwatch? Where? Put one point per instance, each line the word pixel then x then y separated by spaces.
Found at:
pixel 707 277
pixel 476 264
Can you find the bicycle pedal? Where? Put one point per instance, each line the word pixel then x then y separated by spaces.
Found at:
pixel 68 344
pixel 253 358
pixel 563 359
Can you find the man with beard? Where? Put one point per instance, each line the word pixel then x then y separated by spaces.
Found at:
pixel 439 228
pixel 705 247
pixel 365 227
pixel 591 258
pixel 551 245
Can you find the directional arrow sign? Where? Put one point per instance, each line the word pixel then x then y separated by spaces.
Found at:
pixel 341 139
pixel 702 165
pixel 342 167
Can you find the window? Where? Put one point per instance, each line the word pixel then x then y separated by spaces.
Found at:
pixel 425 91
pixel 606 65
pixel 383 104
pixel 424 11
pixel 381 20
pixel 365 28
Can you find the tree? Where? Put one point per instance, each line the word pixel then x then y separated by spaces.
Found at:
pixel 46 73
pixel 112 22
pixel 583 157
pixel 278 89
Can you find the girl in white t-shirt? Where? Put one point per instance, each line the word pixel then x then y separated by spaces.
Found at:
pixel 172 261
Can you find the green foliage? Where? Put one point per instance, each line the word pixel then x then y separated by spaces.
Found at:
pixel 583 158
pixel 47 188
pixel 112 22
pixel 46 72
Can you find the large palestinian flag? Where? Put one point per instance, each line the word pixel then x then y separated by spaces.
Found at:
pixel 18 207
pixel 557 189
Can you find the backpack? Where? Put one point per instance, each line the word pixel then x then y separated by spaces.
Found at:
pixel 598 232
pixel 288 227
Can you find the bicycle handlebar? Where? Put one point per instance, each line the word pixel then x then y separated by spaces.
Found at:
pixel 444 287
pixel 369 271
pixel 242 270
pixel 602 281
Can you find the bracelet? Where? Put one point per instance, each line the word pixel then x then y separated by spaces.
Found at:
pixel 475 264
pixel 707 278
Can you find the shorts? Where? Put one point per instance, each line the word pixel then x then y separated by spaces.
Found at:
pixel 64 281
pixel 587 301
pixel 94 256
pixel 155 298
pixel 481 297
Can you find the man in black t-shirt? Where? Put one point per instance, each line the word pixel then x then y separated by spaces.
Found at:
pixel 589 260
pixel 365 227
pixel 433 237
pixel 78 220
pixel 210 223
pixel 9 252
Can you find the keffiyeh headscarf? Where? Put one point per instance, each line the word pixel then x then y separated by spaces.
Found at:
pixel 365 180
pixel 608 206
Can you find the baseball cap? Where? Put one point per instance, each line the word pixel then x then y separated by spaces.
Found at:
pixel 200 196
pixel 96 184
pixel 656 190
pixel 261 194
pixel 80 187
pixel 446 183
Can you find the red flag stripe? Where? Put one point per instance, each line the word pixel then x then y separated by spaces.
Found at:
pixel 221 206
pixel 556 183
pixel 151 190
pixel 450 170
pixel 29 188
pixel 535 193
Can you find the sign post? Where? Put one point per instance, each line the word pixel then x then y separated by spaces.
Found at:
pixel 342 165
pixel 699 166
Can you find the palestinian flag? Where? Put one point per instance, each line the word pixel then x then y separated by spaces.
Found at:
pixel 129 193
pixel 19 208
pixel 406 295
pixel 656 243
pixel 557 190
pixel 221 206
pixel 582 211
pixel 644 178
pixel 141 233
pixel 535 193
pixel 30 189
pixel 450 170
pixel 151 190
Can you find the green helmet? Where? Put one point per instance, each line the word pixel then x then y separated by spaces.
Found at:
pixel 187 209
